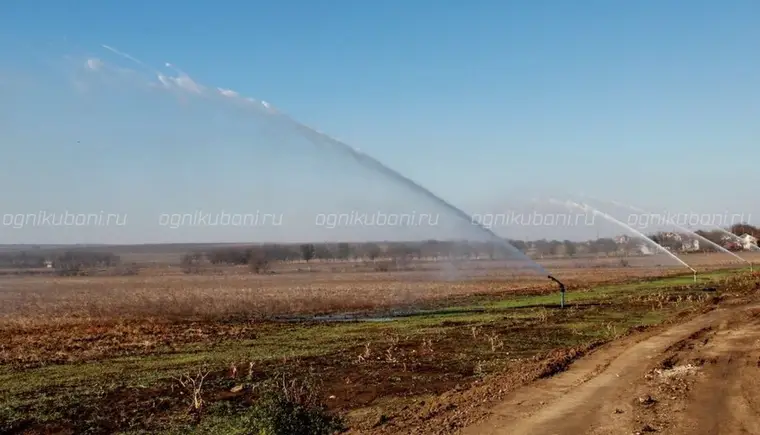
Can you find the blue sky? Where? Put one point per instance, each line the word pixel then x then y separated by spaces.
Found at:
pixel 649 102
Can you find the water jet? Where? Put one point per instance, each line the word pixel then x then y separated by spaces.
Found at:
pixel 586 208
pixel 184 85
pixel 694 233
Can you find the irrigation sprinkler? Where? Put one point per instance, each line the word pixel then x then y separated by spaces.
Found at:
pixel 682 228
pixel 561 290
pixel 587 208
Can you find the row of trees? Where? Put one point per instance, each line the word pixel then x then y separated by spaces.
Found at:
pixel 80 258
pixel 260 256
pixel 447 249
pixel 349 251
pixel 745 228
pixel 21 260
pixel 75 262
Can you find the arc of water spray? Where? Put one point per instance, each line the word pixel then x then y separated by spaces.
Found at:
pixel 699 236
pixel 586 208
pixel 734 236
pixel 371 163
pixel 714 226
pixel 375 164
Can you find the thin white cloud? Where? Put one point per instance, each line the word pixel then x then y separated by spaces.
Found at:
pixel 124 55
pixel 228 93
pixel 166 81
pixel 182 83
pixel 94 64
pixel 185 82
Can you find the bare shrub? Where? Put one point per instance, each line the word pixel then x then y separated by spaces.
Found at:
pixel 402 262
pixel 391 353
pixel 193 384
pixel 78 263
pixel 70 269
pixel 132 269
pixel 427 345
pixel 611 331
pixel 543 315
pixel 365 356
pixel 193 263
pixel 258 262
pixel 384 266
pixel 495 342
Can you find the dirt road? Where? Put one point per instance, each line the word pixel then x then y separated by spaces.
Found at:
pixel 699 377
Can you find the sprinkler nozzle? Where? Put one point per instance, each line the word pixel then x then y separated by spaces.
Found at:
pixel 561 290
pixel 561 286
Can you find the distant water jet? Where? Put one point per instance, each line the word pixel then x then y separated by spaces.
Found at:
pixel 587 208
pixel 694 233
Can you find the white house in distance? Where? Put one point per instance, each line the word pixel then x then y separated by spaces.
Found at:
pixel 635 246
pixel 748 241
pixel 690 245
pixel 687 244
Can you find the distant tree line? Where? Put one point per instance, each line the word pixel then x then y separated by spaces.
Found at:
pixel 259 257
pixel 75 262
pixel 21 260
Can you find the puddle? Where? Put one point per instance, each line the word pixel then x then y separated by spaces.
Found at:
pixel 369 317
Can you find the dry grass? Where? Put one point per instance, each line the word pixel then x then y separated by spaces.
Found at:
pixel 166 293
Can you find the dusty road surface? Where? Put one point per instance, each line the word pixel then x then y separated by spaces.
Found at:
pixel 699 377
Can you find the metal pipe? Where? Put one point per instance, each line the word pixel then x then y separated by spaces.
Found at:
pixel 561 290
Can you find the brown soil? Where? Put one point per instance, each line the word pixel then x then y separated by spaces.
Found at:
pixel 699 377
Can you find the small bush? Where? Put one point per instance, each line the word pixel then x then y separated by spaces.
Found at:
pixel 258 264
pixel 292 408
pixel 70 269
pixel 193 263
pixel 281 407
pixel 274 414
pixel 127 270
